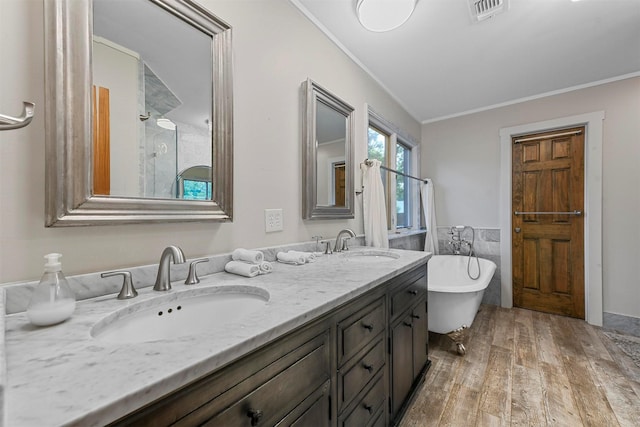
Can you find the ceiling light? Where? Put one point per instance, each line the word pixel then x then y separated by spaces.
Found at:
pixel 166 124
pixel 384 15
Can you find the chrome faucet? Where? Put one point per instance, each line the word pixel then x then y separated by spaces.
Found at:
pixel 456 240
pixel 163 279
pixel 339 247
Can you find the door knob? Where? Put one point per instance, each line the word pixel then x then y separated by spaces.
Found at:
pixel 517 230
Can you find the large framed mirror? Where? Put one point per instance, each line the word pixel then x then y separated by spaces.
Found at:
pixel 137 93
pixel 327 171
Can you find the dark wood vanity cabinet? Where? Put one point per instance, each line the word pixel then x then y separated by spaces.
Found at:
pixel 355 366
pixel 285 383
pixel 408 339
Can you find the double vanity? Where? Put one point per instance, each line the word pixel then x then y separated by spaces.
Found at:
pixel 341 341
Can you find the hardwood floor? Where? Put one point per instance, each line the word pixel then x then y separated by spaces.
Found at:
pixel 525 368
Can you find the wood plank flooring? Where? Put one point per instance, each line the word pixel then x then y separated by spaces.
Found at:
pixel 525 368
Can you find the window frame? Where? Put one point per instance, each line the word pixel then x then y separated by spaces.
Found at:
pixel 397 136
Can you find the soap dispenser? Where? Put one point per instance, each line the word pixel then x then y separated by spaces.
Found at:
pixel 52 300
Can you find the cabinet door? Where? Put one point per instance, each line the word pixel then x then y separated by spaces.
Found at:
pixel 401 361
pixel 420 338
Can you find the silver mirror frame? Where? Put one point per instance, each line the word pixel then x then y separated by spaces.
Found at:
pixel 314 93
pixel 68 124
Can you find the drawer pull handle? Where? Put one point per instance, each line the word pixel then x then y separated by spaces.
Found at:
pixel 368 367
pixel 255 415
pixel 368 326
pixel 413 292
pixel 407 324
pixel 415 316
pixel 367 407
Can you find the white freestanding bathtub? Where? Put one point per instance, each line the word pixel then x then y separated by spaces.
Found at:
pixel 454 298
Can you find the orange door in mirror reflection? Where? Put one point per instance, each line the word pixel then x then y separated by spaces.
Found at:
pixel 101 142
pixel 340 183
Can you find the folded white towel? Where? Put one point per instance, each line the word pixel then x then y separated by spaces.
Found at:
pixel 308 256
pixel 265 267
pixel 289 258
pixel 242 268
pixel 246 255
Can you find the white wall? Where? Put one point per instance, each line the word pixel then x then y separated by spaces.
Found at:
pixel 462 155
pixel 117 70
pixel 275 49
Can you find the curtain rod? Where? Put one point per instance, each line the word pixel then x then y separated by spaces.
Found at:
pixel 368 163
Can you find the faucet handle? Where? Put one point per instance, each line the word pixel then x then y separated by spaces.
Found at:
pixel 192 277
pixel 127 291
pixel 327 250
pixel 344 243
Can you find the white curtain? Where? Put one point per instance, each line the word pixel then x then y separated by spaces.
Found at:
pixel 374 206
pixel 429 209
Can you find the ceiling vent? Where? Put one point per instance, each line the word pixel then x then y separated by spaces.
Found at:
pixel 485 9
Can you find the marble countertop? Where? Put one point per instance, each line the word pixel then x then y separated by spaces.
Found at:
pixel 60 375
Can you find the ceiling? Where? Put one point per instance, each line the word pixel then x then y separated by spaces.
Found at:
pixel 441 64
pixel 161 49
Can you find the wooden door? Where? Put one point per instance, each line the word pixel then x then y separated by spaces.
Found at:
pixel 548 224
pixel 340 183
pixel 101 142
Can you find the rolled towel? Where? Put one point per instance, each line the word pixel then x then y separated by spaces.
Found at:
pixel 308 256
pixel 289 258
pixel 242 268
pixel 265 267
pixel 246 255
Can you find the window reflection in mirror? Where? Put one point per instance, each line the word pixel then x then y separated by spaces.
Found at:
pixel 151 99
pixel 194 183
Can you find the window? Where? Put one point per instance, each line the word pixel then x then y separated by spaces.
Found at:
pixel 197 190
pixel 399 152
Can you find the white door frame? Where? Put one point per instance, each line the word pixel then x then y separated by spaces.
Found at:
pixel 592 214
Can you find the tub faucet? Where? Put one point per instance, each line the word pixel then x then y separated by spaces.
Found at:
pixel 339 247
pixel 456 241
pixel 163 279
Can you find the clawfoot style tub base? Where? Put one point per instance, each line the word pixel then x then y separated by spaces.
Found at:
pixel 454 297
pixel 458 336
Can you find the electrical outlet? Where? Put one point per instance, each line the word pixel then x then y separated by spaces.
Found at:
pixel 273 220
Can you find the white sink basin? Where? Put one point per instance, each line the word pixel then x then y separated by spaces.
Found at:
pixel 371 256
pixel 179 314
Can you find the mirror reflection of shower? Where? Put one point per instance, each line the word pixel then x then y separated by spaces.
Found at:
pixel 161 157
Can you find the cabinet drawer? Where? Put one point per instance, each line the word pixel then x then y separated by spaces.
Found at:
pixel 274 390
pixel 314 411
pixel 353 377
pixel 369 410
pixel 357 330
pixel 408 294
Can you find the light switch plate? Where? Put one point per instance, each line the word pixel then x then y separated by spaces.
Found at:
pixel 273 220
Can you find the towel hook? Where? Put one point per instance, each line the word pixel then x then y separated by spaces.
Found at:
pixel 8 122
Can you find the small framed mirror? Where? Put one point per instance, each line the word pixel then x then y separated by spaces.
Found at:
pixel 327 170
pixel 139 103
